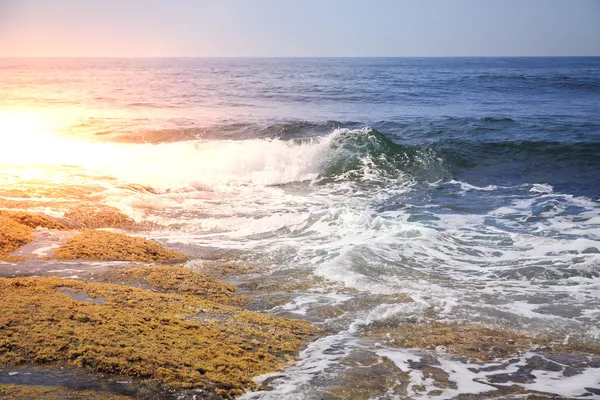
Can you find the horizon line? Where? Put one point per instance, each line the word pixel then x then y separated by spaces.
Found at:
pixel 288 57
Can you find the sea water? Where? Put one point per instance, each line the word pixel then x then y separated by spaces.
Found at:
pixel 470 185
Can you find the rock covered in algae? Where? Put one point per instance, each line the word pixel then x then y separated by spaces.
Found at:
pixel 32 220
pixel 22 392
pixel 12 236
pixel 173 279
pixel 179 340
pixel 111 246
pixel 16 230
pixel 472 340
pixel 101 217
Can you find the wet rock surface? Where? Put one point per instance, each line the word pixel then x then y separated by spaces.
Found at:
pixel 416 360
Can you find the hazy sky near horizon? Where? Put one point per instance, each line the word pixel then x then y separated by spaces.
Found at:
pixel 257 28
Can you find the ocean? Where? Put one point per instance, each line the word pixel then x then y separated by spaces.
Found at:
pixel 346 186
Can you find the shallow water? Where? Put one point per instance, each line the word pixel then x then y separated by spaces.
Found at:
pixel 470 185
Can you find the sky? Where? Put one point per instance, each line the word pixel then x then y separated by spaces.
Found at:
pixel 299 28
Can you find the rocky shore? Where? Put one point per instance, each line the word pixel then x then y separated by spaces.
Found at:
pixel 165 329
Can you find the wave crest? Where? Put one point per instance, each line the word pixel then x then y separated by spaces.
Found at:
pixel 344 154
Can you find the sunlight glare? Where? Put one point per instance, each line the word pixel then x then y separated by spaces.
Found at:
pixel 29 139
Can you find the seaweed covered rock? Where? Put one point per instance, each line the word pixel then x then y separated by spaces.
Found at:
pixel 175 279
pixel 472 340
pixel 12 236
pixel 16 230
pixel 101 217
pixel 17 227
pixel 179 340
pixel 32 220
pixel 21 392
pixel 111 246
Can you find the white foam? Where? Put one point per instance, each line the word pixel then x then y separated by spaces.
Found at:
pixel 65 270
pixel 467 186
pixel 301 304
pixel 472 380
pixel 313 362
pixel 458 373
pixel 572 386
pixel 174 165
pixel 45 251
pixel 541 188
pixel 320 355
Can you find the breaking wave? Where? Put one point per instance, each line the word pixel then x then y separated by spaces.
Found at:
pixel 360 155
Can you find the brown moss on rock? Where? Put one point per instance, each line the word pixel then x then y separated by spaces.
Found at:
pixel 16 230
pixel 175 279
pixel 32 220
pixel 469 340
pixel 472 340
pixel 12 236
pixel 180 340
pixel 102 217
pixel 219 270
pixel 22 392
pixel 111 246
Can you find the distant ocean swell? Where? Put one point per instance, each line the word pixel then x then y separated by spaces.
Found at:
pixel 567 82
pixel 418 130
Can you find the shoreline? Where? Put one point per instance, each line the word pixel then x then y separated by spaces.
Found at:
pixel 172 330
